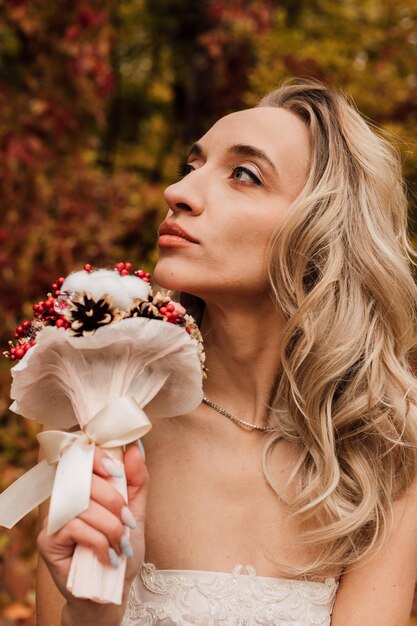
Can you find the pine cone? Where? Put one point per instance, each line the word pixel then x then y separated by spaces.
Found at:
pixel 145 308
pixel 86 314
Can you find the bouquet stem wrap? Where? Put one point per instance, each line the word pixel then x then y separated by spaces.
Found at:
pixel 102 382
pixel 65 474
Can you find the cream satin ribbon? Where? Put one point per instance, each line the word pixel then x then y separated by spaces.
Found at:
pixel 66 472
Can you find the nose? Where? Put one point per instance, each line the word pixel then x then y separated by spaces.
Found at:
pixel 185 195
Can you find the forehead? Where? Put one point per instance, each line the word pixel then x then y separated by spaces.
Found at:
pixel 278 132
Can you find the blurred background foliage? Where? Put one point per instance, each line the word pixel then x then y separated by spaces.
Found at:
pixel 98 100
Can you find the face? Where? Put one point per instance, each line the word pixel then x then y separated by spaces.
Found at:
pixel 238 183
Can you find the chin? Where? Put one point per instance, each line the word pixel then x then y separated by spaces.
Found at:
pixel 169 276
pixel 182 278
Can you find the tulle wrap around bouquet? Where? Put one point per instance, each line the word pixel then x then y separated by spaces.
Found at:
pixel 102 350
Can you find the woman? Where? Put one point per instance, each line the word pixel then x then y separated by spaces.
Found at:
pixel 287 228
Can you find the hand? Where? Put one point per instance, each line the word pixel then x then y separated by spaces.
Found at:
pixel 101 526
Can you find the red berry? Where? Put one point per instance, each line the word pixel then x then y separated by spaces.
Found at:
pixel 60 280
pixel 57 292
pixel 170 307
pixel 54 286
pixel 60 323
pixel 88 268
pixel 16 335
pixel 20 353
pixel 163 310
pixel 128 266
pixel 12 357
pixel 124 272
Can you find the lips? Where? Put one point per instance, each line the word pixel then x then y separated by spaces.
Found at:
pixel 170 228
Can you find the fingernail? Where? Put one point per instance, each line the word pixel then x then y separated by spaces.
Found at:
pixel 127 518
pixel 113 558
pixel 141 449
pixel 126 546
pixel 112 468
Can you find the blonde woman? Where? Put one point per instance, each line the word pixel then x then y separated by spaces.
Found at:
pixel 289 496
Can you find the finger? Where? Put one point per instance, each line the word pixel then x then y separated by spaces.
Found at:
pixel 107 495
pixel 62 543
pixel 105 466
pixel 135 468
pixel 110 525
pixel 104 493
pixel 137 482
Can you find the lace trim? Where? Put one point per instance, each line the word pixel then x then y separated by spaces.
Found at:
pixel 193 598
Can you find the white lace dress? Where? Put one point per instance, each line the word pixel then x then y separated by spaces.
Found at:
pixel 239 598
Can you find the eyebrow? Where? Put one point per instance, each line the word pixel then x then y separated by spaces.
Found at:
pixel 242 149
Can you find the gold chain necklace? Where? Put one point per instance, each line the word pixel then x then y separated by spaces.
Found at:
pixel 232 417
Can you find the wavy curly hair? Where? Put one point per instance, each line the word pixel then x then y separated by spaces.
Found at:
pixel 340 271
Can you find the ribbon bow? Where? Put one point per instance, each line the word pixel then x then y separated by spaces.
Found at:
pixel 66 472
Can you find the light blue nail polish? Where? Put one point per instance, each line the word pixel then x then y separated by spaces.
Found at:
pixel 127 517
pixel 126 546
pixel 141 449
pixel 113 558
pixel 111 468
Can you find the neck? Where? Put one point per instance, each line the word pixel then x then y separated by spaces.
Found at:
pixel 242 347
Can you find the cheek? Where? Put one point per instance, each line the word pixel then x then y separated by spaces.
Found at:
pixel 240 255
pixel 250 250
pixel 252 236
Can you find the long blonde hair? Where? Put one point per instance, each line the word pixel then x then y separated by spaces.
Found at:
pixel 340 271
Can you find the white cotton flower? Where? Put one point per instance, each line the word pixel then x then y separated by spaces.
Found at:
pixel 122 289
pixel 135 287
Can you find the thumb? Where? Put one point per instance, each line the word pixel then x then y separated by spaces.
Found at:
pixel 137 481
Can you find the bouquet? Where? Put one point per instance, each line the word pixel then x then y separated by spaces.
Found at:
pixel 102 348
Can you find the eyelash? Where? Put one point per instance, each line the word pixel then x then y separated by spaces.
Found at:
pixel 254 178
pixel 185 168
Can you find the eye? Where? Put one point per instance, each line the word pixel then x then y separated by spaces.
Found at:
pixel 245 175
pixel 184 168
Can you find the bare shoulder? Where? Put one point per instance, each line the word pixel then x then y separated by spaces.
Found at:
pixel 379 590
